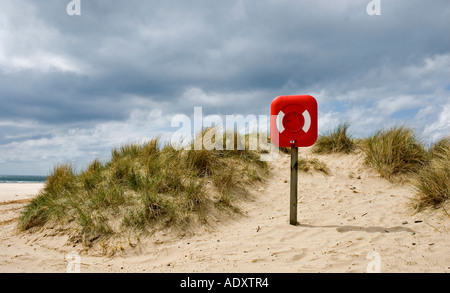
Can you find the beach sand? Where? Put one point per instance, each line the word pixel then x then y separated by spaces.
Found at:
pixel 18 191
pixel 345 219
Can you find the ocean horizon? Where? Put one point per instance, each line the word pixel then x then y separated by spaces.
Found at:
pixel 22 179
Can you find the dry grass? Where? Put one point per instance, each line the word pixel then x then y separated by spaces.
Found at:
pixel 432 182
pixel 337 141
pixel 145 186
pixel 395 152
pixel 142 187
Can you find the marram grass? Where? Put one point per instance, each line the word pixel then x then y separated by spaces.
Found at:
pixel 432 182
pixel 395 152
pixel 143 186
pixel 336 141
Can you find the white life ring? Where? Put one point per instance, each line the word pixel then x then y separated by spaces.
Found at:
pixel 306 125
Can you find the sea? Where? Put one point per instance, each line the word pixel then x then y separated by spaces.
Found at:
pixel 22 179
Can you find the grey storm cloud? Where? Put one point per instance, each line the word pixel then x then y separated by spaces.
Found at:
pixel 121 59
pixel 158 48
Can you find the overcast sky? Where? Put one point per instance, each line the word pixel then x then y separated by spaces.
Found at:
pixel 73 87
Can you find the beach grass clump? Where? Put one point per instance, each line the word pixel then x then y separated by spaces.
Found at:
pixel 142 187
pixel 336 141
pixel 439 150
pixel 432 182
pixel 49 204
pixel 306 165
pixel 395 152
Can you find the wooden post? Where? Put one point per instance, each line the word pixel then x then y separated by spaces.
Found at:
pixel 294 178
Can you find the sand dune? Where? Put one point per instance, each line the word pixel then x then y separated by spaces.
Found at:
pixel 344 217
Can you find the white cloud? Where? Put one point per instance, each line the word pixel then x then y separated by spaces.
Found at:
pixel 438 65
pixel 419 91
pixel 393 104
pixel 231 57
pixel 28 43
pixel 82 145
pixel 197 97
pixel 441 126
pixel 43 62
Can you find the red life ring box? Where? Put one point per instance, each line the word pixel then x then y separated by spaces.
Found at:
pixel 294 121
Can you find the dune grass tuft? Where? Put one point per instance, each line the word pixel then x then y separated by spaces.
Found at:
pixel 432 182
pixel 395 152
pixel 336 141
pixel 142 187
pixel 315 164
pixel 440 149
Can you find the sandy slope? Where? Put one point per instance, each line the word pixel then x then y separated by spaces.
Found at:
pixel 343 217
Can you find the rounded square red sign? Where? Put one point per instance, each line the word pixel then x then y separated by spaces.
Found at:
pixel 293 121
